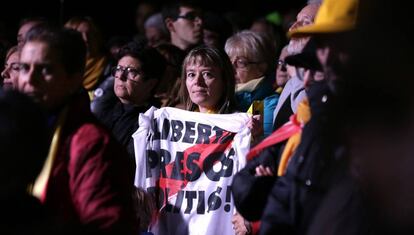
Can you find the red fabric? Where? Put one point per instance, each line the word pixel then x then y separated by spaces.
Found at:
pixel 91 180
pixel 283 133
pixel 255 227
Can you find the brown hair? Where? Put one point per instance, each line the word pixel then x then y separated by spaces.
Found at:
pixel 11 51
pixel 211 56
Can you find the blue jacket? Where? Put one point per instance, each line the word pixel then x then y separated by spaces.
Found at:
pixel 264 91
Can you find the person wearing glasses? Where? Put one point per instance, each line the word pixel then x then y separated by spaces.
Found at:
pixel 137 74
pixel 252 56
pixel 283 71
pixel 10 73
pixel 294 92
pixel 185 24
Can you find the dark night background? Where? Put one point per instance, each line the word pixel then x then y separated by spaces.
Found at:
pixel 117 16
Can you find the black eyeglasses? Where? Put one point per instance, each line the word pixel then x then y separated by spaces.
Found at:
pixel 282 65
pixel 191 16
pixel 131 73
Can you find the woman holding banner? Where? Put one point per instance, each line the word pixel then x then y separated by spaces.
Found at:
pixel 188 159
pixel 210 84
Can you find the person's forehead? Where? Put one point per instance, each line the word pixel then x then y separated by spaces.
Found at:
pixel 129 61
pixel 13 56
pixel 37 51
pixel 26 27
pixel 238 48
pixel 308 12
pixel 200 65
pixel 185 9
pixel 283 53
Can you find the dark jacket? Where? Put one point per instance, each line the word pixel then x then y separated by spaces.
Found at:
pixel 122 121
pixel 295 197
pixel 250 192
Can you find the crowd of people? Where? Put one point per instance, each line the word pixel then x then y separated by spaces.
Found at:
pixel 328 98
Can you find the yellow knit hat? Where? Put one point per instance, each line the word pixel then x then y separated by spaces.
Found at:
pixel 334 16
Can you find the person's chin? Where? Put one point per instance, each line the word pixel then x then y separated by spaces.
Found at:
pixel 120 89
pixel 197 38
pixel 198 99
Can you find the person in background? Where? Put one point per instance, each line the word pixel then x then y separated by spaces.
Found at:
pixel 319 162
pixel 252 57
pixel 305 17
pixel 25 25
pixel 283 71
pixel 145 209
pixel 86 179
pixel 155 31
pixel 216 30
pixel 184 22
pixel 270 29
pixel 137 74
pixel 96 61
pixel 294 92
pixel 10 73
pixel 169 87
pixel 104 95
pixel 143 10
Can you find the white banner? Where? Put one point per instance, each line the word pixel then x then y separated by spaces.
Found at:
pixel 188 159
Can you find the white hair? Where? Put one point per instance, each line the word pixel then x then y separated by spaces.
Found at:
pixel 156 21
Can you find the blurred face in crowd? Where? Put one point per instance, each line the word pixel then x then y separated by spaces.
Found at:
pixel 43 76
pixel 130 86
pixel 10 73
pixel 311 76
pixel 259 27
pixel 246 69
pixel 205 85
pixel 154 36
pixel 88 37
pixel 305 17
pixel 143 11
pixel 211 39
pixel 332 54
pixel 282 74
pixel 186 30
pixel 21 34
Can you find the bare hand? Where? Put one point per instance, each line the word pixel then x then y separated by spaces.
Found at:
pixel 239 225
pixel 264 171
pixel 255 125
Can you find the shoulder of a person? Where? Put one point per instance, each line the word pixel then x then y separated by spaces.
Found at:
pixel 90 133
